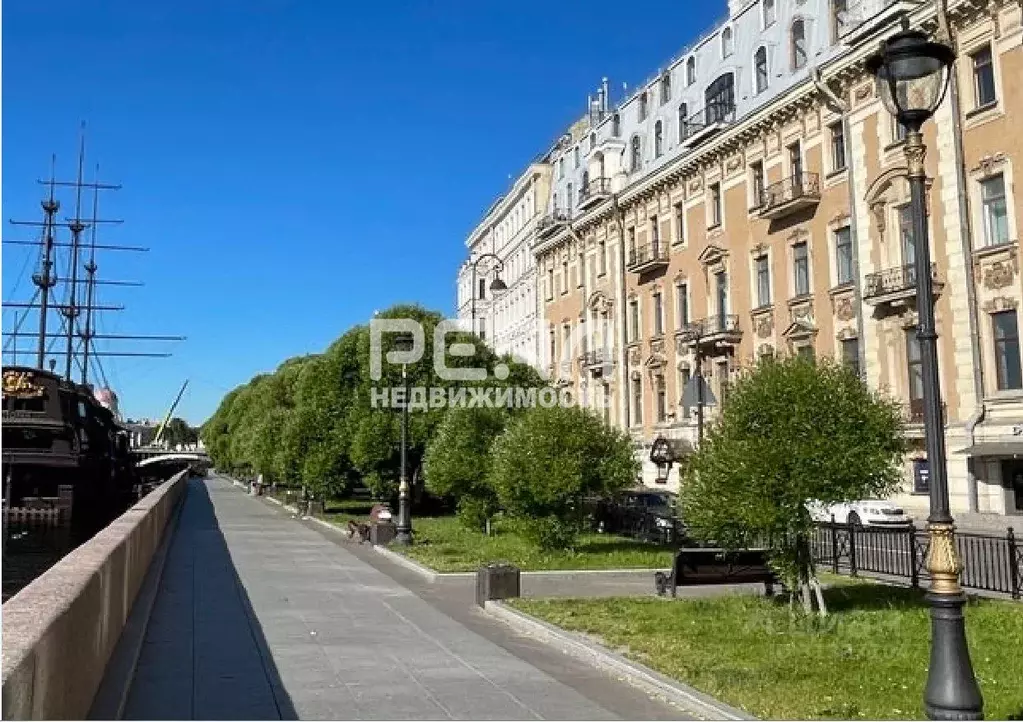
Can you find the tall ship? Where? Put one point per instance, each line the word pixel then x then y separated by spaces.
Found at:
pixel 67 457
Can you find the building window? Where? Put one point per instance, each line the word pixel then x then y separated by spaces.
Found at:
pixel 616 125
pixel 906 235
pixel 993 206
pixel 633 320
pixel 722 374
pixel 658 315
pixel 806 352
pixel 575 156
pixel 798 39
pixel 550 283
pixel 763 269
pixel 851 354
pixel 1007 355
pixel 720 97
pixel 837 146
pixel 566 343
pixel 561 167
pixel 984 77
pixel 715 205
pixel 662 400
pixel 682 305
pixel 636 154
pixel 483 329
pixel 593 141
pixel 569 197
pixel 680 223
pixel 838 9
pixel 658 139
pixel 637 401
pixel 769 13
pixel 691 71
pixel 721 282
pixel 603 258
pixel 757 177
pixel 684 376
pixel 683 122
pixel 665 88
pixel 655 236
pixel 761 75
pixel 564 277
pixel 581 276
pixel 642 106
pixel 914 367
pixel 727 43
pixel 843 255
pixel 553 340
pixel 801 268
pixel 483 288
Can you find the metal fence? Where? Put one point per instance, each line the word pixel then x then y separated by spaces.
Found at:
pixel 990 563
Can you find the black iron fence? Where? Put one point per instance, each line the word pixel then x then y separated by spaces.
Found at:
pixel 990 563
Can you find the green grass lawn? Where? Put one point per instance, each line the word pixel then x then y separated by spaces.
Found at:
pixel 443 544
pixel 868 659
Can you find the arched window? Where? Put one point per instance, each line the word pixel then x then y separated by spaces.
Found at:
pixel 720 97
pixel 658 139
pixel 727 43
pixel 665 88
pixel 760 72
pixel 616 125
pixel 642 106
pixel 635 154
pixel 798 44
pixel 683 122
pixel 769 13
pixel 691 71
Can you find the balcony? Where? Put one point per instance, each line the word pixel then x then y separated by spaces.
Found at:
pixel 704 123
pixel 595 190
pixel 895 285
pixel 648 258
pixel 792 194
pixel 551 222
pixel 598 361
pixel 722 329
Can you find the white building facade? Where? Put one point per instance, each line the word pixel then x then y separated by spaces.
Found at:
pixel 500 247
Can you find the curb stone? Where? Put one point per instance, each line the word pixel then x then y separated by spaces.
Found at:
pixel 682 695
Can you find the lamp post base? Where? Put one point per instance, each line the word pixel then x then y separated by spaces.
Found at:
pixel 403 537
pixel 952 692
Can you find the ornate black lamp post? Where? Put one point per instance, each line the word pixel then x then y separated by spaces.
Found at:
pixel 404 342
pixel 662 456
pixel 912 75
pixel 496 286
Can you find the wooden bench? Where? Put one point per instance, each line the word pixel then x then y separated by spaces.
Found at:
pixel 717 566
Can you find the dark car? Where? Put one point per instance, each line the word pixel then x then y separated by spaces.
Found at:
pixel 648 514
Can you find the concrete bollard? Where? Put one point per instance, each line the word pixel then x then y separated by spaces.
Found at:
pixel 497 580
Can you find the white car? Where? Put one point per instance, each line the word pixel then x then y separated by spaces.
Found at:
pixel 861 513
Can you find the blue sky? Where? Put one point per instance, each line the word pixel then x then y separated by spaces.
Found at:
pixel 294 165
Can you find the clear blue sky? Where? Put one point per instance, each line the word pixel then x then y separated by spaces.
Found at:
pixel 294 165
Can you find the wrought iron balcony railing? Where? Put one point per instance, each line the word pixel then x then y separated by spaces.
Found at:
pixel 552 221
pixel 597 357
pixel 646 257
pixel 713 115
pixel 900 280
pixel 594 190
pixel 711 328
pixel 797 191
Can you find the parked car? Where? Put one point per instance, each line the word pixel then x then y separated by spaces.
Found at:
pixel 862 513
pixel 644 513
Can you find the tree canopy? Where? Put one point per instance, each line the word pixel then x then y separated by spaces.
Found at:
pixel 793 431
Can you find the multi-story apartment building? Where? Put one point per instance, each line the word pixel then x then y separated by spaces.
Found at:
pixel 500 246
pixel 751 199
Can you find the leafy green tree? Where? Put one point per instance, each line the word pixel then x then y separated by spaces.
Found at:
pixel 793 431
pixel 458 462
pixel 548 459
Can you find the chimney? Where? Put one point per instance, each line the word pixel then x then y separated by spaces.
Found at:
pixel 604 94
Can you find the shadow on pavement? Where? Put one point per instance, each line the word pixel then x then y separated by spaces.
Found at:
pixel 204 654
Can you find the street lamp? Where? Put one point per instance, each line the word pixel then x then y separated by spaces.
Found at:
pixel 912 74
pixel 496 286
pixel 404 342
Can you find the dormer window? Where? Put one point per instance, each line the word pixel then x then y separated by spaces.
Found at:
pixel 665 88
pixel 643 106
pixel 798 45
pixel 691 71
pixel 635 154
pixel 727 43
pixel 760 72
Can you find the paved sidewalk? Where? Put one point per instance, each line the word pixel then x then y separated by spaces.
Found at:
pixel 259 616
